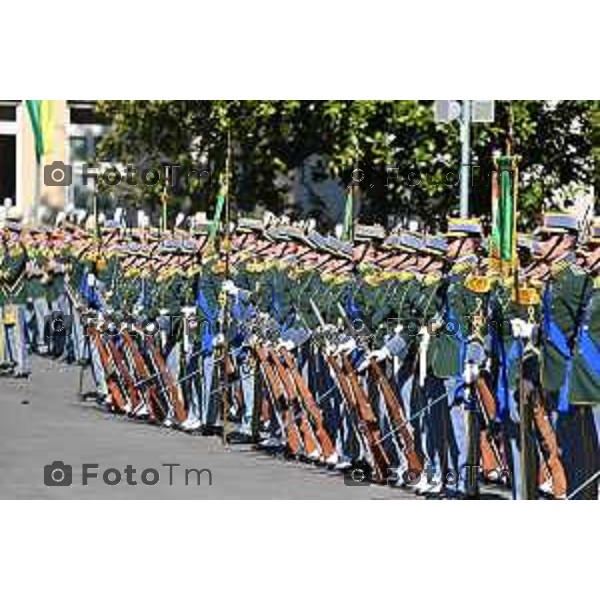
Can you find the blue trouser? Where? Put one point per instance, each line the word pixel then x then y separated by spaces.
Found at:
pixel 596 415
pixel 77 338
pixel 246 375
pixel 336 414
pixel 511 430
pixel 433 424
pixel 191 384
pixel 173 364
pixel 389 434
pixel 36 313
pixel 59 344
pixel 512 437
pixel 462 463
pixel 579 446
pixel 97 368
pixel 15 337
pixel 210 405
pixel 445 436
pixel 411 405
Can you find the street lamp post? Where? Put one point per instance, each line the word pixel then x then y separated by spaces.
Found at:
pixel 467 112
pixel 465 161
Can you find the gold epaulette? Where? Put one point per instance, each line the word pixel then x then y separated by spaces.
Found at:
pixel 432 278
pixel 193 271
pixel 386 275
pixel 528 296
pixel 480 284
pixel 255 267
pixel 372 279
pixel 341 279
pixel 538 284
pixel 101 264
pixel 558 267
pixel 218 268
pixel 462 267
pixel 404 275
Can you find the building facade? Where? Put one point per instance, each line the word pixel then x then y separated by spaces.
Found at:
pixel 75 131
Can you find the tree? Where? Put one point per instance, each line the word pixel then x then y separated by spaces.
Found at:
pixel 408 163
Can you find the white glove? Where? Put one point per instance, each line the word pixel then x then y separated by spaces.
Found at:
pixel 219 339
pixel 380 354
pixel 287 344
pixel 346 347
pixel 522 329
pixel 376 355
pixel 471 373
pixel 188 311
pixel 528 330
pixel 230 288
pixel 423 350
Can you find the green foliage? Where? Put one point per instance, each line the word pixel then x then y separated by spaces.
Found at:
pixel 595 125
pixel 410 163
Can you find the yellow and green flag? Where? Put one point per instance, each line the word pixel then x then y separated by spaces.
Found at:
pixel 41 113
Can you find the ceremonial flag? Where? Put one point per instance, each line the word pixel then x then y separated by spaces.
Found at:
pixel 214 226
pixel 503 212
pixel 41 113
pixel 348 216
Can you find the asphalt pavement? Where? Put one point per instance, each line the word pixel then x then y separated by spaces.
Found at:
pixel 42 421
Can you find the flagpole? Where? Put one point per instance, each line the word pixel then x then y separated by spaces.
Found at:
pixel 226 245
pixel 164 208
pixel 36 190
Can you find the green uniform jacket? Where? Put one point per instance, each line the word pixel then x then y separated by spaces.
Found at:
pixel 585 375
pixel 566 295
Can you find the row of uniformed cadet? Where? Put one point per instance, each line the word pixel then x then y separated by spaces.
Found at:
pixel 432 311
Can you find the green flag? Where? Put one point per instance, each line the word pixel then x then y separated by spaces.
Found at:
pixel 507 213
pixel 348 216
pixel 504 212
pixel 214 226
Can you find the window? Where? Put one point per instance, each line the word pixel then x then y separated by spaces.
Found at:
pixel 79 148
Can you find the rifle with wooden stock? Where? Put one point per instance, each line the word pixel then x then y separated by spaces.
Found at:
pixel 124 372
pixel 491 456
pixel 172 392
pixel 113 383
pixel 278 404
pixel 357 401
pixel 295 405
pixel 400 424
pixel 310 405
pixel 367 421
pixel 146 381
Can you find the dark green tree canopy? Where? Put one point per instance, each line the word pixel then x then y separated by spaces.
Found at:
pixel 408 164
